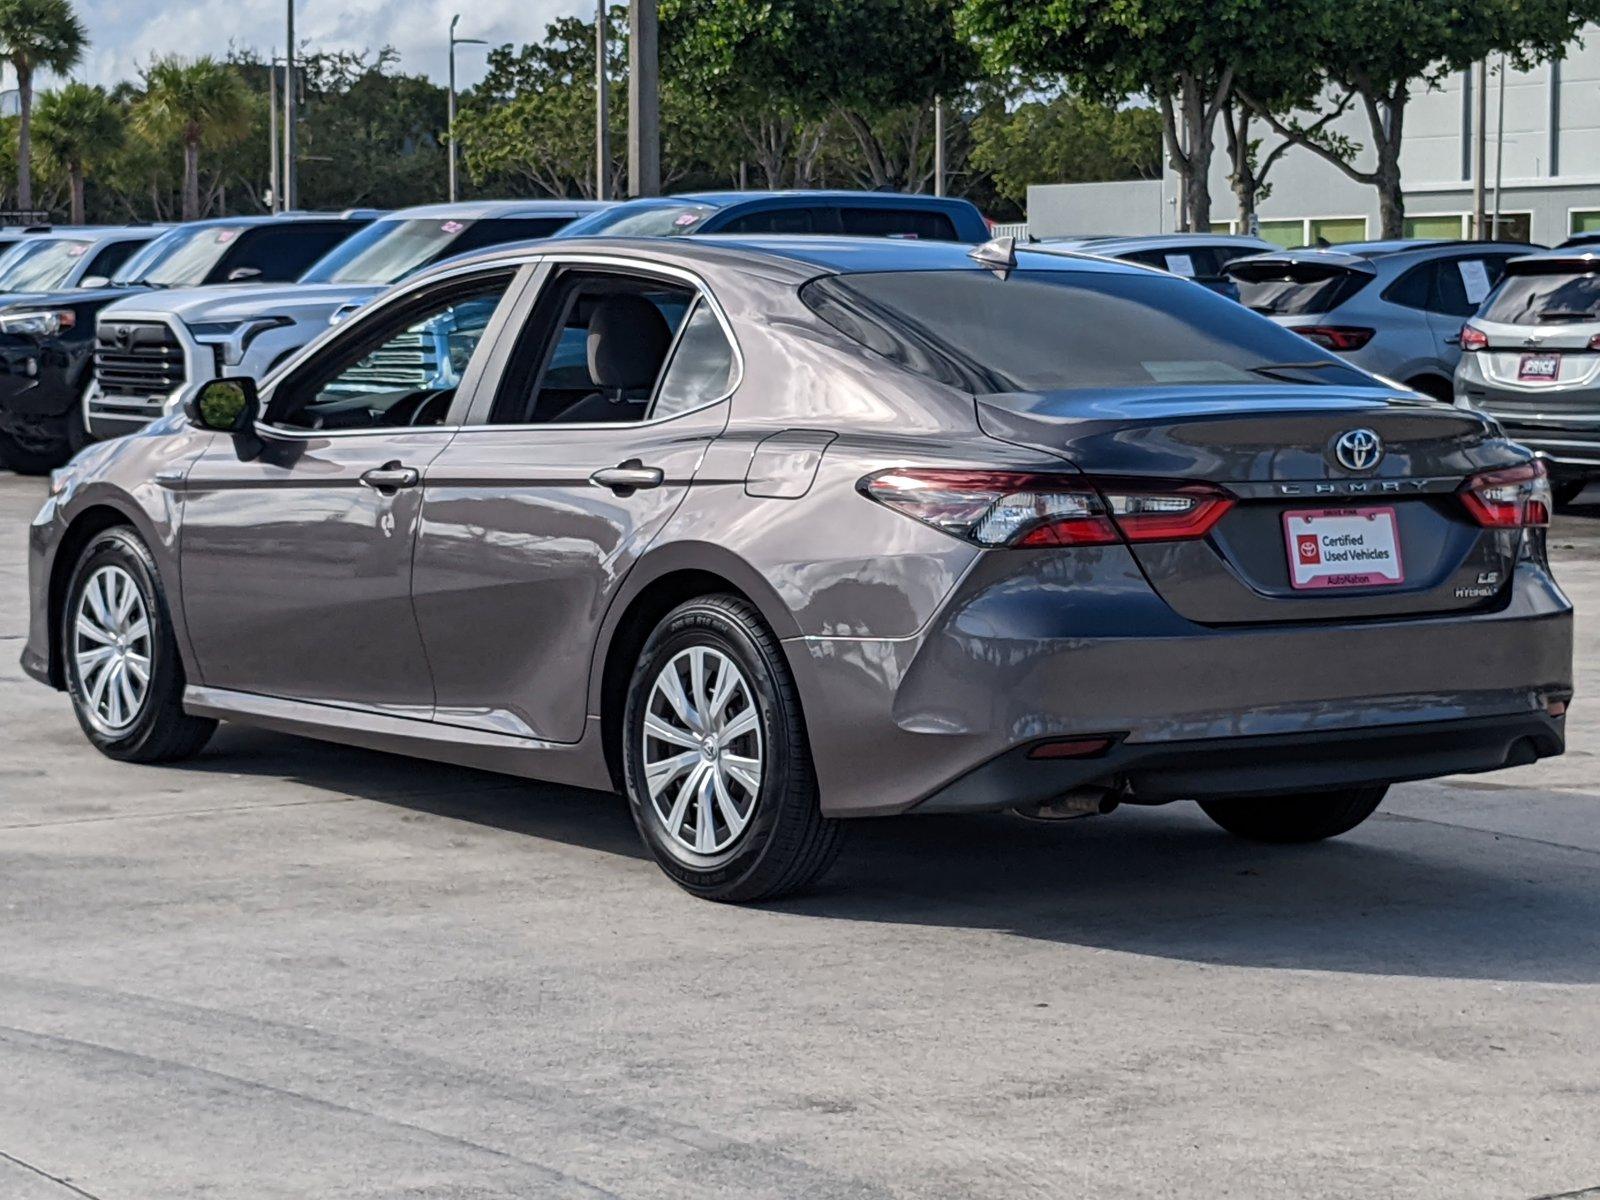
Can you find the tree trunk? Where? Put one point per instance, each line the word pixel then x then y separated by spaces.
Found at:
pixel 191 179
pixel 871 148
pixel 24 136
pixel 1176 159
pixel 76 171
pixel 1387 127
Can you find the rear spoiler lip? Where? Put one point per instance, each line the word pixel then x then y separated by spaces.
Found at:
pixel 1553 264
pixel 1334 263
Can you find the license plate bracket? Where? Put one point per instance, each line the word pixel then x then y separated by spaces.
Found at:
pixel 1343 548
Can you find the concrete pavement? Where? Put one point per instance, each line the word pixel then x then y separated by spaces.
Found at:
pixel 293 970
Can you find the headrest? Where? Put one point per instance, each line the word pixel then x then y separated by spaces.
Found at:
pixel 628 340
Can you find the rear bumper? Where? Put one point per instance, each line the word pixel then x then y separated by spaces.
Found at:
pixel 1261 766
pixel 1077 645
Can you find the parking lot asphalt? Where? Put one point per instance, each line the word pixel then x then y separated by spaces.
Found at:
pixel 293 970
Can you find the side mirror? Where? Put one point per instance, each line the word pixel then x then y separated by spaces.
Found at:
pixel 94 281
pixel 224 406
pixel 240 274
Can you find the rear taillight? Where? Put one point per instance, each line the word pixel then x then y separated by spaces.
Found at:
pixel 1336 337
pixel 1509 499
pixel 1009 508
pixel 1473 339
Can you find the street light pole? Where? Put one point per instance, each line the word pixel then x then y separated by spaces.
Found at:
pixel 938 145
pixel 450 119
pixel 644 99
pixel 274 162
pixel 602 105
pixel 1480 141
pixel 1499 152
pixel 289 189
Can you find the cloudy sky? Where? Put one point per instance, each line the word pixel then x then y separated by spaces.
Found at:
pixel 123 34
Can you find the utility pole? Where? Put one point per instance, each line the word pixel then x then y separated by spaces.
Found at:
pixel 290 197
pixel 644 99
pixel 450 120
pixel 274 161
pixel 602 105
pixel 1480 141
pixel 1499 153
pixel 938 145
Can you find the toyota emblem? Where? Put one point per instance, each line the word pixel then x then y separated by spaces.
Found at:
pixel 1358 450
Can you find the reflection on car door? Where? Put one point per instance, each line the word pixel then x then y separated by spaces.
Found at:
pixel 534 514
pixel 296 558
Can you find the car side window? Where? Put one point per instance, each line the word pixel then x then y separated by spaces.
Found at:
pixel 110 257
pixel 778 220
pixel 898 223
pixel 596 350
pixel 277 253
pixel 399 369
pixel 1414 288
pixel 701 367
pixel 1460 284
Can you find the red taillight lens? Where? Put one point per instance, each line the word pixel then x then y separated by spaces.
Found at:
pixel 1473 339
pixel 1010 508
pixel 1336 337
pixel 1509 499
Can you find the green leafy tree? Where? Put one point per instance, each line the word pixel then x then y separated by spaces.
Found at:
pixel 1369 55
pixel 79 129
pixel 203 104
pixel 1184 56
pixel 791 63
pixel 1066 139
pixel 36 35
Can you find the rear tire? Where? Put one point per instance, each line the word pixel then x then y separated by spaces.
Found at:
pixel 1309 817
pixel 121 658
pixel 723 715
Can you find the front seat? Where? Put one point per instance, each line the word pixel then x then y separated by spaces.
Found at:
pixel 628 342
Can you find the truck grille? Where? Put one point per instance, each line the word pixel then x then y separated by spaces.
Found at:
pixel 405 362
pixel 137 359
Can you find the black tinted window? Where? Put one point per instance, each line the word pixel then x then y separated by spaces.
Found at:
pixel 898 222
pixel 1049 330
pixel 111 257
pixel 1546 298
pixel 276 253
pixel 1295 289
pixel 1460 285
pixel 778 220
pixel 1413 289
pixel 511 229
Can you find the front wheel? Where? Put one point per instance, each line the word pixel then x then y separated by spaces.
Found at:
pixel 1310 817
pixel 123 671
pixel 716 761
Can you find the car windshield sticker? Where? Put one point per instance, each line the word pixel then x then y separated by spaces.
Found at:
pixel 452 226
pixel 688 218
pixel 224 236
pixel 1475 278
pixel 1181 264
pixel 77 249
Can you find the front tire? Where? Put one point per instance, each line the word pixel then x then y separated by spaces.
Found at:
pixel 1565 492
pixel 121 658
pixel 1310 817
pixel 38 445
pixel 716 761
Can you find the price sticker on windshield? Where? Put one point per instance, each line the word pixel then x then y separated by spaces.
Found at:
pixel 1343 548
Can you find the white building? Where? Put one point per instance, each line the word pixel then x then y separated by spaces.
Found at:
pixel 1548 161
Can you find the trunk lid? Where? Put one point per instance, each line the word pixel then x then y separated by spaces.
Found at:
pixel 1274 450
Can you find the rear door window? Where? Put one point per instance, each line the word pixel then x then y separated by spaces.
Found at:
pixel 1460 285
pixel 923 224
pixel 781 220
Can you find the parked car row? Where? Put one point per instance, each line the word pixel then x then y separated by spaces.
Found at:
pixel 107 351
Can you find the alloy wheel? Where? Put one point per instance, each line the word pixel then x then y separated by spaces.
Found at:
pixel 111 650
pixel 702 750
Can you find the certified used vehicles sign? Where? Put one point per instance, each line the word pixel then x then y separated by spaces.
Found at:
pixel 1343 547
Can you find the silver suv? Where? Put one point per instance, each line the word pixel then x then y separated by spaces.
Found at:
pixel 1394 308
pixel 1532 360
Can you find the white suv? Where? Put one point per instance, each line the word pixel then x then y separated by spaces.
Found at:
pixel 248 329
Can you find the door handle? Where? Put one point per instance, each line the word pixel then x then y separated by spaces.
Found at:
pixel 1453 340
pixel 627 477
pixel 390 478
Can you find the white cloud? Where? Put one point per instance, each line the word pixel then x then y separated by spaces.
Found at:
pixel 124 35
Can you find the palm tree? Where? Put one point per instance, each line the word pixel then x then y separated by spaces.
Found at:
pixel 36 34
pixel 79 127
pixel 201 103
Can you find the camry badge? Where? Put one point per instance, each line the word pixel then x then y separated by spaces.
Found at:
pixel 1358 449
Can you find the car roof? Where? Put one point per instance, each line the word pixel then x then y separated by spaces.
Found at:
pixel 1110 243
pixel 796 256
pixel 728 199
pixel 477 210
pixel 102 233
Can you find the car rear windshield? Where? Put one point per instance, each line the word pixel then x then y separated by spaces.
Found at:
pixel 1047 330
pixel 1545 298
pixel 1281 289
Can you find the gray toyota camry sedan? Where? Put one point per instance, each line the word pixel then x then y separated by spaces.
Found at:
pixel 771 533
